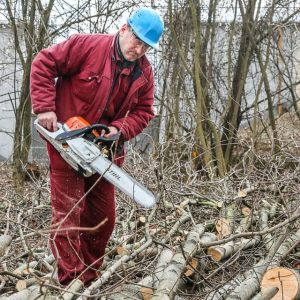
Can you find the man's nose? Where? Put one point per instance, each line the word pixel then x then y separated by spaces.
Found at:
pixel 139 49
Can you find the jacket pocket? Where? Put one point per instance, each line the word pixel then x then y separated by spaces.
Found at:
pixel 85 85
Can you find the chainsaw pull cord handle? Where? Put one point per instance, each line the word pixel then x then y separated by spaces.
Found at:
pixel 78 132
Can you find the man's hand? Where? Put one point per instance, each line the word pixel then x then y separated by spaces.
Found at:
pixel 48 120
pixel 112 131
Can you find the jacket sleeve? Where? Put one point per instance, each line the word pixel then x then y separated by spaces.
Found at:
pixel 140 115
pixel 59 60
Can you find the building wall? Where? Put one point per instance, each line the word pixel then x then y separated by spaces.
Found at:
pixel 10 82
pixel 11 74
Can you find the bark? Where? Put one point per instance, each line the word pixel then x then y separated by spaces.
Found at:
pixel 233 117
pixel 219 253
pixel 72 288
pixel 170 281
pixel 26 268
pixel 221 292
pixel 249 287
pixel 33 292
pixel 289 244
pixel 31 266
pixel 5 241
pixel 22 135
pixel 267 294
pixel 108 273
pixel 263 224
pixel 25 283
pixel 263 67
pixel 201 109
pixel 144 288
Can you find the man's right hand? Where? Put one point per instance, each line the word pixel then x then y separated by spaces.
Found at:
pixel 48 120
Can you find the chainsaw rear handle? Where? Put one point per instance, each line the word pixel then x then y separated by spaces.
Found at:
pixel 111 139
pixel 79 132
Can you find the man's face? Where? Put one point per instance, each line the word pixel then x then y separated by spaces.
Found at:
pixel 131 46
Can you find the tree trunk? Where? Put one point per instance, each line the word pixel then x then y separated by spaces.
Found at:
pixel 233 117
pixel 22 137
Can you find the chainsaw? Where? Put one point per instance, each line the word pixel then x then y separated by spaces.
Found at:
pixel 83 147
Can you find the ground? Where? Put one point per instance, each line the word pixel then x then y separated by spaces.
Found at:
pixel 261 181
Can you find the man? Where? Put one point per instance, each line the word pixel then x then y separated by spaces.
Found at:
pixel 105 79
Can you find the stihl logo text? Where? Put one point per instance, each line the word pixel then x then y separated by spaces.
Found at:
pixel 111 172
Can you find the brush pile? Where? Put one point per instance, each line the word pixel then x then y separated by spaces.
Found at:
pixel 235 237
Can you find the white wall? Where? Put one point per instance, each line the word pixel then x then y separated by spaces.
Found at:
pixel 10 81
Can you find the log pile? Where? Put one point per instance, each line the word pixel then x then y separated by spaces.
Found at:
pixel 232 238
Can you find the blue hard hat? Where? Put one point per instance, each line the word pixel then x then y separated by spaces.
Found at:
pixel 147 25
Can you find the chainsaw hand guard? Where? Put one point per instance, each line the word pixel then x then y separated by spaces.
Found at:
pixel 79 132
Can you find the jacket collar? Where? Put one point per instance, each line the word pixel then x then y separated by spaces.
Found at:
pixel 126 66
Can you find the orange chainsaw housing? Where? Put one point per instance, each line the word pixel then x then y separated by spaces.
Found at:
pixel 78 122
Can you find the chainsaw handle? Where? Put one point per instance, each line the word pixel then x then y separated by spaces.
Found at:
pixel 111 139
pixel 78 132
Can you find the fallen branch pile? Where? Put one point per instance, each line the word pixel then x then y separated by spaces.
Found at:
pixel 232 238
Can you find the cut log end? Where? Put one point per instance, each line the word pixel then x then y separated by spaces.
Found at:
pixel 147 293
pixel 215 253
pixel 286 280
pixel 191 267
pixel 21 285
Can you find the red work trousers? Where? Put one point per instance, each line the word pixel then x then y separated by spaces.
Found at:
pixel 77 207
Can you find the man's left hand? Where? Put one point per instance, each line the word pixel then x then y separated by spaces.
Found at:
pixel 112 131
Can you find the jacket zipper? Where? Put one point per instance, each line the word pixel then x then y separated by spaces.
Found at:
pixel 116 76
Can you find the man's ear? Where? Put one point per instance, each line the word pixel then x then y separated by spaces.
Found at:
pixel 123 29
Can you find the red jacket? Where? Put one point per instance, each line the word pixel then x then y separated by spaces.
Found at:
pixel 74 78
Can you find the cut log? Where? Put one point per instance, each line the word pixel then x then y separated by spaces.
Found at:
pixel 25 283
pixel 250 286
pixel 150 252
pixel 207 237
pixel 223 228
pixel 72 288
pixel 221 252
pixel 23 269
pixel 5 241
pixel 147 293
pixel 220 293
pixel 32 292
pixel 107 274
pixel 2 283
pixel 120 250
pixel 218 253
pixel 141 221
pixel 145 288
pixel 191 267
pixel 170 280
pixel 163 260
pixel 47 262
pixel 289 244
pixel 286 280
pixel 263 224
pixel 266 294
